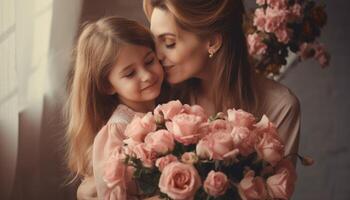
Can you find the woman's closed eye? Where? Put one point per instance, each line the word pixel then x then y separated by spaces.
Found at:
pixel 170 46
pixel 169 43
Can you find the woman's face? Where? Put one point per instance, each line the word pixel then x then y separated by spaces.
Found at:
pixel 183 54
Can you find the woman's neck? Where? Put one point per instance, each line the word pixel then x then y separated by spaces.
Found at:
pixel 206 82
pixel 203 94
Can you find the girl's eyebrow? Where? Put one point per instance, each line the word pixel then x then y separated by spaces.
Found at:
pixel 128 66
pixel 125 68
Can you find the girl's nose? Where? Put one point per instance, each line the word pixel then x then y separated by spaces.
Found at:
pixel 146 75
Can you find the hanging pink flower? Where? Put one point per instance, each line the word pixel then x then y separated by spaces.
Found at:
pixel 255 45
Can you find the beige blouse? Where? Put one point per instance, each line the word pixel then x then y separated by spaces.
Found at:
pixel 282 107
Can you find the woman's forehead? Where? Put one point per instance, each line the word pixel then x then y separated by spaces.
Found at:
pixel 163 22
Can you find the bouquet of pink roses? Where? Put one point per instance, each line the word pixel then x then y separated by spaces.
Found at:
pixel 178 152
pixel 277 27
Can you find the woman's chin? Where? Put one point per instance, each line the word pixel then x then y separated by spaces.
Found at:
pixel 175 79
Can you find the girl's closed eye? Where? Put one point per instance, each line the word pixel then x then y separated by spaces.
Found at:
pixel 129 74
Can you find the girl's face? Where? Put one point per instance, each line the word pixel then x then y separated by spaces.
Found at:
pixel 183 54
pixel 137 75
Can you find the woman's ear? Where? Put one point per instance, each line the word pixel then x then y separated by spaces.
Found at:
pixel 147 9
pixel 214 43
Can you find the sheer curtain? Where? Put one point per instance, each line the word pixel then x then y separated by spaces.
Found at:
pixel 36 38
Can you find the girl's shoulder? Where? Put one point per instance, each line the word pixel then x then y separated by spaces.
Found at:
pixel 122 114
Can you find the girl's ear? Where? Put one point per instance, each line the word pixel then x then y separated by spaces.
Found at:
pixel 214 43
pixel 110 90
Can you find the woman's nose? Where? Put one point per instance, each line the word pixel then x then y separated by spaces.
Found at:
pixel 160 54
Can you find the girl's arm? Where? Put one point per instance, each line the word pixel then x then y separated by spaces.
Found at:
pixel 105 158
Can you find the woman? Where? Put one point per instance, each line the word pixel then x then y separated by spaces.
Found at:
pixel 202 47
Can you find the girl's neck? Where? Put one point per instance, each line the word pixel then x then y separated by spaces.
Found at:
pixel 142 107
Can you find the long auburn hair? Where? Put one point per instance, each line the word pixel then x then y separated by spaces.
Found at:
pixel 233 73
pixel 89 105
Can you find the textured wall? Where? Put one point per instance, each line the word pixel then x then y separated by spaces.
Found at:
pixel 325 103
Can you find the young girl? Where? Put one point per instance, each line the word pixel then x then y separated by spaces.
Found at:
pixel 116 76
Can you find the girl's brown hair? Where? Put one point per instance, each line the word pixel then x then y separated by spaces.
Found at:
pixel 89 105
pixel 233 73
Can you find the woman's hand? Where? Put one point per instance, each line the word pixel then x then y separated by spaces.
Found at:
pixel 87 189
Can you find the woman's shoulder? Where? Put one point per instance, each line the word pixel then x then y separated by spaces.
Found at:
pixel 272 95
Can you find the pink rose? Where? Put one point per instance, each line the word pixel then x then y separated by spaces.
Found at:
pixel 260 2
pixel 115 174
pixel 189 158
pixel 251 188
pixel 306 51
pixel 324 60
pixel 283 35
pixel 217 145
pixel 140 127
pixel 244 140
pixel 179 181
pixel 195 110
pixel 295 13
pixel 255 45
pixel 240 118
pixel 160 141
pixel 270 148
pixel 321 55
pixel 259 19
pixel 164 161
pixel 279 4
pixel 275 19
pixel 220 124
pixel 169 109
pixel 264 125
pixel 186 128
pixel 145 154
pixel 287 164
pixel 216 183
pixel 281 185
pixel 269 145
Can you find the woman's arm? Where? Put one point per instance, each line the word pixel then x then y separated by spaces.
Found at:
pixel 288 124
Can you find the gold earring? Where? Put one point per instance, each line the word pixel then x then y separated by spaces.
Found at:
pixel 211 54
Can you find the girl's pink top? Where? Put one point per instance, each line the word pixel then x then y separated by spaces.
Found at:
pixel 106 141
